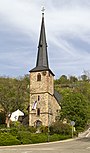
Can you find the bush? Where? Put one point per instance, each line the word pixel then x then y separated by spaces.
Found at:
pixel 13 131
pixel 44 129
pixel 24 137
pixel 31 129
pixel 16 124
pixel 38 138
pixel 7 139
pixel 4 130
pixel 60 128
pixel 58 137
pixel 29 138
pixel 2 126
pixel 80 129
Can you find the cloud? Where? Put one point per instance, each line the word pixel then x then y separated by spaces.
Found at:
pixel 67 29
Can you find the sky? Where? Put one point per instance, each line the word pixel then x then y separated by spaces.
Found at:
pixel 67 24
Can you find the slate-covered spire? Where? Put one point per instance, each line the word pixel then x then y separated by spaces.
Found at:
pixel 42 57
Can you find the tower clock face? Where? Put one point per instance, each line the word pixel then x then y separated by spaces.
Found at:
pixel 44 73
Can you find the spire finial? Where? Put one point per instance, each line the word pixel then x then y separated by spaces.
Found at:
pixel 43 9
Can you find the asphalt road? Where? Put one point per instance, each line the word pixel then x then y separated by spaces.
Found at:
pixel 70 146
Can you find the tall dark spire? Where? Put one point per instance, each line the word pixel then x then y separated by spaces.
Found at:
pixel 42 56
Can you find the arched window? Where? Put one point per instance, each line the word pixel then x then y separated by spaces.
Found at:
pixel 38 123
pixel 38 112
pixel 39 77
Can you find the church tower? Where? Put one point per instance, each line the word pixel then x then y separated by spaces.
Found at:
pixel 43 102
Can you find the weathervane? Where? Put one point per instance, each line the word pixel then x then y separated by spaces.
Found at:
pixel 43 9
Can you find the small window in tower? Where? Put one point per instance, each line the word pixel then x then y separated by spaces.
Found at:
pixel 38 98
pixel 38 112
pixel 39 77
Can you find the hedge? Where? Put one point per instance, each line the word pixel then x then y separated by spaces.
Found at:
pixel 6 139
pixel 28 135
pixel 28 138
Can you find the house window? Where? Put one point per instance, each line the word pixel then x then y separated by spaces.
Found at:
pixel 38 112
pixel 39 77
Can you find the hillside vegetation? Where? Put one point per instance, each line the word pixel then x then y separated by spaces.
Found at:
pixel 75 98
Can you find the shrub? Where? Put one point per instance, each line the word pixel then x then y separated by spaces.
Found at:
pixel 44 129
pixel 80 129
pixel 58 137
pixel 14 137
pixel 16 124
pixel 29 138
pixel 24 137
pixel 13 131
pixel 7 139
pixel 4 130
pixel 38 138
pixel 31 129
pixel 60 128
pixel 2 126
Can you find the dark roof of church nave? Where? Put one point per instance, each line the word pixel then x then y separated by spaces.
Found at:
pixel 57 96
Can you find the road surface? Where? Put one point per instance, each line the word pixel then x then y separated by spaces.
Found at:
pixel 71 146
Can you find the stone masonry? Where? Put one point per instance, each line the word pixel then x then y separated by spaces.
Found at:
pixel 44 104
pixel 47 103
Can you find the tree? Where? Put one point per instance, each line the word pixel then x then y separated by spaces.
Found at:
pixel 74 108
pixel 63 79
pixel 84 77
pixel 75 100
pixel 13 95
pixel 73 79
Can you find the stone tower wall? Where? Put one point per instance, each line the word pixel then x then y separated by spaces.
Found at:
pixel 42 104
pixel 43 93
pixel 45 85
pixel 48 109
pixel 53 108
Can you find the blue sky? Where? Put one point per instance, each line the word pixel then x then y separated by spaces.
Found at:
pixel 67 26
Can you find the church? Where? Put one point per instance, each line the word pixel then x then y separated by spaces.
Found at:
pixel 44 100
